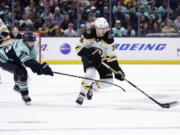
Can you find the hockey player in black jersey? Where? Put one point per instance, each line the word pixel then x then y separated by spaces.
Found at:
pixel 18 55
pixel 96 45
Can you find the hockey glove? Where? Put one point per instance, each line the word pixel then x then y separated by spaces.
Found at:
pixel 96 57
pixel 46 69
pixel 120 76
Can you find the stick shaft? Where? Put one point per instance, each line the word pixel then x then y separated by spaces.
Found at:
pixel 151 98
pixel 89 79
pixel 143 92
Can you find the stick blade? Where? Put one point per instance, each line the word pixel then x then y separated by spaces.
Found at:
pixel 168 105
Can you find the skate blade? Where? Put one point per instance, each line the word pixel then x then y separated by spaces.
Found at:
pixel 28 103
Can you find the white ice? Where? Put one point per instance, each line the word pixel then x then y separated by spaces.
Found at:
pixel 111 111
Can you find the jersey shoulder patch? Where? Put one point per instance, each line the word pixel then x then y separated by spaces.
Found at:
pixel 108 38
pixel 89 34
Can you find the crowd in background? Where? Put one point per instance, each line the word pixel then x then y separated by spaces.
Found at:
pixel 59 17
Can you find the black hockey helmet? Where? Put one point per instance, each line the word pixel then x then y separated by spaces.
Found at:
pixel 29 37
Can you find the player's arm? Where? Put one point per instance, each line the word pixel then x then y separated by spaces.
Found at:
pixel 113 62
pixel 81 48
pixel 38 68
pixel 92 54
pixel 28 61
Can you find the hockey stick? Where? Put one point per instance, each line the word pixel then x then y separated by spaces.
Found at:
pixel 89 79
pixel 163 105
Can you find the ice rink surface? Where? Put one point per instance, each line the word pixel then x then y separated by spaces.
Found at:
pixel 111 111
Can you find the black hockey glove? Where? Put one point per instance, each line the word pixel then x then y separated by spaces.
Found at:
pixel 95 56
pixel 120 76
pixel 115 66
pixel 46 69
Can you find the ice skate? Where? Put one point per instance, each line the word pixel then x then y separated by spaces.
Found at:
pixel 90 94
pixel 26 99
pixel 80 98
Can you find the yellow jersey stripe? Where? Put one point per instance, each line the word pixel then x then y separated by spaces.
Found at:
pixel 91 39
pixel 85 83
pixel 104 42
pixel 78 48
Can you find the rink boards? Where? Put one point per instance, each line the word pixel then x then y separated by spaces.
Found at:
pixel 128 50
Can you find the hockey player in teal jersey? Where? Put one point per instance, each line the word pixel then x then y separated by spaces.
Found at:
pixel 15 57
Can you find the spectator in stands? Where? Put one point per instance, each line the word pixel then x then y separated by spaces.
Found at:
pixel 66 21
pixel 143 20
pixel 34 14
pixel 50 23
pixel 91 4
pixel 94 13
pixel 57 31
pixel 144 30
pixel 127 20
pixel 164 11
pixel 118 30
pixel 51 11
pixel 41 7
pixel 177 10
pixel 177 23
pixel 16 24
pixel 6 16
pixel 25 23
pixel 70 32
pixel 46 14
pixel 130 6
pixel 57 16
pixel 155 28
pixel 143 12
pixel 89 22
pixel 105 13
pixel 152 6
pixel 28 9
pixel 169 27
pixel 84 2
pixel 15 34
pixel 121 6
pixel 154 16
pixel 81 30
pixel 72 14
pixel 45 31
pixel 38 22
pixel 130 32
pixel 133 19
pixel 18 12
pixel 134 2
pixel 78 22
pixel 120 15
pixel 82 13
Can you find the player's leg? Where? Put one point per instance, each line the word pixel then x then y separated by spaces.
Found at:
pixel 16 87
pixel 21 82
pixel 105 75
pixel 86 85
pixel 20 77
